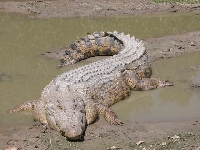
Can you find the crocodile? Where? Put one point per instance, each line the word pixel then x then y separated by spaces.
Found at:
pixel 76 98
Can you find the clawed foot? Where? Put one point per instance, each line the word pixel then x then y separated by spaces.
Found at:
pixel 162 83
pixel 116 122
pixel 109 115
pixel 168 83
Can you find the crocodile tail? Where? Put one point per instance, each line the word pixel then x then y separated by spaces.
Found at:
pixel 96 44
pixel 28 105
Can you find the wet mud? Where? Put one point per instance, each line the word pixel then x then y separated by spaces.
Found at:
pixel 92 8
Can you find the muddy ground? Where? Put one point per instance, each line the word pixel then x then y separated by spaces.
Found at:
pixel 92 8
pixel 100 135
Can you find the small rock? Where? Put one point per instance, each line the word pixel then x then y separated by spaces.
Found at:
pixel 175 137
pixel 192 44
pixel 180 47
pixel 139 143
pixel 198 148
pixel 167 50
pixel 113 148
pixel 190 133
pixel 164 143
pixel 195 85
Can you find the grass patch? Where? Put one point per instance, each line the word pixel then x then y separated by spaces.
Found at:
pixel 178 1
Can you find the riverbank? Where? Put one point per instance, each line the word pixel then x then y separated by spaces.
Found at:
pixel 101 135
pixel 159 48
pixel 92 8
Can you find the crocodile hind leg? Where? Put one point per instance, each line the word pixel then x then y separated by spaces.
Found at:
pixel 152 83
pixel 135 83
pixel 28 105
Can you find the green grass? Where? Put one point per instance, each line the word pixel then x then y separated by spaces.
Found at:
pixel 178 1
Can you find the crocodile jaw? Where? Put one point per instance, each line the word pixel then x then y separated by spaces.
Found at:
pixel 67 115
pixel 73 133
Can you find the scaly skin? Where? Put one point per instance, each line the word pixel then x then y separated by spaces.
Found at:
pixel 96 44
pixel 75 98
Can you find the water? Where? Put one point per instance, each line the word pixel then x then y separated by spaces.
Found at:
pixel 176 103
pixel 24 72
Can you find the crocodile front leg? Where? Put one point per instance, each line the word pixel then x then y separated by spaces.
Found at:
pixel 94 109
pixel 133 81
pixel 108 114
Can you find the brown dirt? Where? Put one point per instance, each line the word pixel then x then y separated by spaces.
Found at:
pixel 103 136
pixel 92 8
pixel 100 135
pixel 173 46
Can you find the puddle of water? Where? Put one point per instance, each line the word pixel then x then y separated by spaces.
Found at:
pixel 24 72
pixel 176 103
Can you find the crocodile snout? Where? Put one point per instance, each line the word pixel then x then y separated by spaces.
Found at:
pixel 73 134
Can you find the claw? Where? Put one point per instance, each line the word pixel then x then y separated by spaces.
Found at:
pixel 168 83
pixel 116 122
pixel 163 83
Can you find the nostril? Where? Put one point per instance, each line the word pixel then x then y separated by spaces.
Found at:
pixel 74 107
pixel 62 133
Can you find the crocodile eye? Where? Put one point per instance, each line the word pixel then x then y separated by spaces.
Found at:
pixel 82 119
pixel 59 106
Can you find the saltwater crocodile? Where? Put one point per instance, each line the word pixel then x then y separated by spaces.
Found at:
pixel 75 98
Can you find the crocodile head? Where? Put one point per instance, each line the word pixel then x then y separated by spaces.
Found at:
pixel 67 117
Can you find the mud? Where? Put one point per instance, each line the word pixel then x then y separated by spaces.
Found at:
pixel 100 135
pixel 103 136
pixel 92 8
